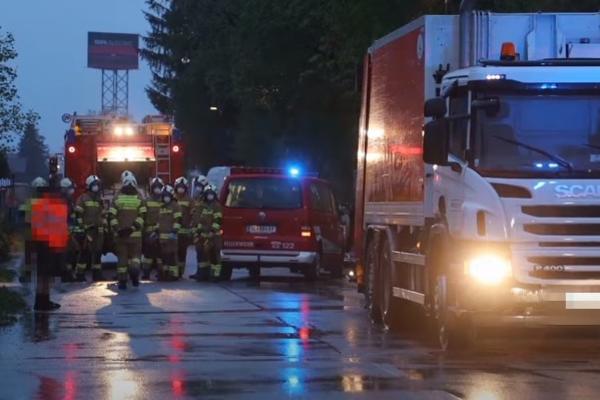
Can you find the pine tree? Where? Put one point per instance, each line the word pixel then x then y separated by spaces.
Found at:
pixel 33 148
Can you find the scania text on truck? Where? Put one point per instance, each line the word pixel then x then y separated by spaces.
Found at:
pixel 479 170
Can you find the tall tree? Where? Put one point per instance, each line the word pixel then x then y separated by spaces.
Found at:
pixel 33 148
pixel 10 109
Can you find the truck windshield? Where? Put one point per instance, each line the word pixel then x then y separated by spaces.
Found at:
pixel 264 193
pixel 533 135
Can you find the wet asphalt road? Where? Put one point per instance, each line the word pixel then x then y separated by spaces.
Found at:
pixel 277 338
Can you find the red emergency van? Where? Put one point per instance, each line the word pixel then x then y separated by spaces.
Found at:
pixel 278 218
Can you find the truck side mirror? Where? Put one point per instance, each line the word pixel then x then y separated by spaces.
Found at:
pixel 435 142
pixel 435 108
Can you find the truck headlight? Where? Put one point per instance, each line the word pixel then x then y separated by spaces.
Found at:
pixel 489 269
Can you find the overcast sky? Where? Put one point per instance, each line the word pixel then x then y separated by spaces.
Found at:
pixel 51 39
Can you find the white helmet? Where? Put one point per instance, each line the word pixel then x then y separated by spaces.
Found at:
pixel 125 174
pixel 66 183
pixel 181 181
pixel 129 181
pixel 156 181
pixel 39 182
pixel 168 189
pixel 200 181
pixel 91 181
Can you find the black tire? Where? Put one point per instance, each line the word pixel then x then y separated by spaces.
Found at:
pixel 313 272
pixel 254 272
pixel 337 271
pixel 372 277
pixel 384 286
pixel 450 332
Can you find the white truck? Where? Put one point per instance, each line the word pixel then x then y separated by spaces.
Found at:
pixel 483 206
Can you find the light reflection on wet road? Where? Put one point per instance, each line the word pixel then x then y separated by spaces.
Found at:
pixel 278 338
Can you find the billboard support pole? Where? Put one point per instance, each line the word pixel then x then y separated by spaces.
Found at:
pixel 115 92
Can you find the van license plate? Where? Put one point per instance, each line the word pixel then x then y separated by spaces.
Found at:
pixel 261 229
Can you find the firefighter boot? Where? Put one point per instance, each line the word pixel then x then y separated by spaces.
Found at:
pixel 134 273
pixel 215 272
pixel 146 268
pixel 173 272
pixel 43 303
pixel 135 279
pixel 97 275
pixel 122 277
pixel 80 272
pixel 67 276
pixel 202 273
pixel 181 268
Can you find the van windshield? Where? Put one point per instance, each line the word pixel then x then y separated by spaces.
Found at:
pixel 264 193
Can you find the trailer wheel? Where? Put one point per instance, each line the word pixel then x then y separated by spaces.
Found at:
pixel 337 271
pixel 384 286
pixel 371 284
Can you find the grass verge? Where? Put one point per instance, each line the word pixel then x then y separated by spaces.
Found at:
pixel 11 304
pixel 7 275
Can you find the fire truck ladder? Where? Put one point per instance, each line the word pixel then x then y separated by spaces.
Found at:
pixel 162 146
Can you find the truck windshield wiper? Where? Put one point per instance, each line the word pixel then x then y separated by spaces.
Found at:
pixel 559 160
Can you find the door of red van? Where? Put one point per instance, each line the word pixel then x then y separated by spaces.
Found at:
pixel 324 218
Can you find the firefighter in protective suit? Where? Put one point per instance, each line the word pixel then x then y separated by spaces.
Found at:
pixel 208 221
pixel 184 238
pixel 67 189
pixel 199 184
pixel 150 246
pixel 127 222
pixel 90 234
pixel 202 266
pixel 169 224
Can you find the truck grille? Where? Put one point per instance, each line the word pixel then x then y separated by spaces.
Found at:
pixel 543 260
pixel 566 274
pixel 562 211
pixel 563 229
pixel 570 244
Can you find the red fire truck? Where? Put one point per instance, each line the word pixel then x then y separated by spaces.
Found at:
pixel 106 146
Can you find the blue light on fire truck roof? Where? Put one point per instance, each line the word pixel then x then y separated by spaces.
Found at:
pixel 294 171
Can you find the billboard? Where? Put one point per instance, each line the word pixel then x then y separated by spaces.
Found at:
pixel 113 50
